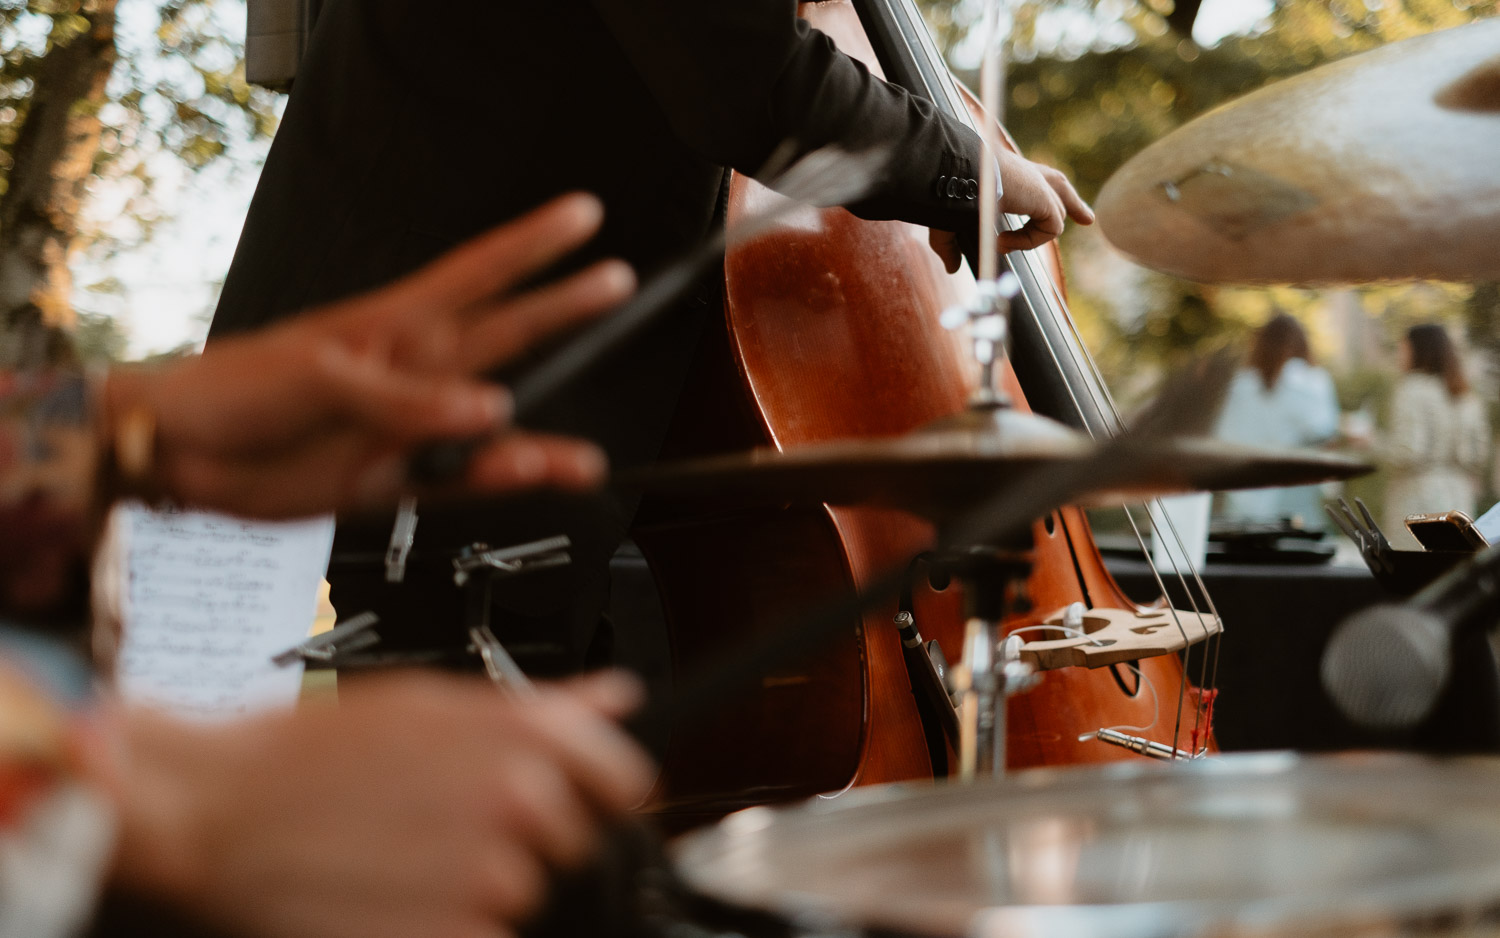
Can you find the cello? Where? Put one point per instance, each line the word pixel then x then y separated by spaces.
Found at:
pixel 831 330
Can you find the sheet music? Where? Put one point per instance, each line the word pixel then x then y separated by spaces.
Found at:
pixel 207 600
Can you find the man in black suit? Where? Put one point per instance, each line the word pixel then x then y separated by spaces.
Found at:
pixel 414 126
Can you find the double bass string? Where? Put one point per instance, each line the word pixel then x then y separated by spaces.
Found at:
pixel 1105 402
pixel 989 221
pixel 988 268
pixel 910 30
pixel 1206 678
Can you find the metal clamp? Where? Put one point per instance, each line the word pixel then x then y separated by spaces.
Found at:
pixel 403 534
pixel 506 561
pixel 347 637
pixel 1366 534
pixel 498 664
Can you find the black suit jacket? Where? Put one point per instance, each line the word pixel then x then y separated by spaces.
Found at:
pixel 414 126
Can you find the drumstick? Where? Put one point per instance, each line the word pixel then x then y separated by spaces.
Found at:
pixel 827 176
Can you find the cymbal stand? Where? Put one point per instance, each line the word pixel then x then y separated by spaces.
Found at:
pixel 988 321
pixel 989 671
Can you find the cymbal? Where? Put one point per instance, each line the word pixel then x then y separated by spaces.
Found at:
pixel 940 472
pixel 1381 166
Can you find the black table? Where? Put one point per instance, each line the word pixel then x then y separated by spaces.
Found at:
pixel 1277 620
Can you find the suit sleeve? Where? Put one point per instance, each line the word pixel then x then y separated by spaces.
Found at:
pixel 738 77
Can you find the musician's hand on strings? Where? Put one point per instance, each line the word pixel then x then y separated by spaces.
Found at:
pixel 1042 194
pixel 429 806
pixel 321 412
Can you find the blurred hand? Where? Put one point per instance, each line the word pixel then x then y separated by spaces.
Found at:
pixel 426 806
pixel 322 412
pixel 1041 193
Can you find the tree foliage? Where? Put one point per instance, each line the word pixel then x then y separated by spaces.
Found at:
pixel 186 96
pixel 1091 83
pixel 77 118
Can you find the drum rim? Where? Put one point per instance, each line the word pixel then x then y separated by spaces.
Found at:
pixel 1413 905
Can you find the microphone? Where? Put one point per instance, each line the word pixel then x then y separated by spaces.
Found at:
pixel 1386 666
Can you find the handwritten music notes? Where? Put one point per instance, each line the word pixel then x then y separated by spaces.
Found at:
pixel 207 600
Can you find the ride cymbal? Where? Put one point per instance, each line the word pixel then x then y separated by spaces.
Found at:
pixel 1381 166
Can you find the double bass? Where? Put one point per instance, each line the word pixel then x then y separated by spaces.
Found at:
pixel 831 330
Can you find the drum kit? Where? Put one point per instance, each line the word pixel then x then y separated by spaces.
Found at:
pixel 1382 166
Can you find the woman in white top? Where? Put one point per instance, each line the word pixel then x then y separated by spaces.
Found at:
pixel 1439 434
pixel 1279 399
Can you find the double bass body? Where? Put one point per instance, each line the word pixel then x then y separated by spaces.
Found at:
pixel 831 331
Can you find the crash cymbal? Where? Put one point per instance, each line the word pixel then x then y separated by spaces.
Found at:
pixel 938 473
pixel 1382 166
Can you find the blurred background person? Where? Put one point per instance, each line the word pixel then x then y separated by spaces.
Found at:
pixel 1438 438
pixel 1280 399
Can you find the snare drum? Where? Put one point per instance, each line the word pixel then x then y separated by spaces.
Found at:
pixel 1265 844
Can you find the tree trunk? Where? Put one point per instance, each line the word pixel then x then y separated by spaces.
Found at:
pixel 53 158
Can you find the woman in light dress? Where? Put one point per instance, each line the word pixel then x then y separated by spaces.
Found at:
pixel 1280 399
pixel 1439 435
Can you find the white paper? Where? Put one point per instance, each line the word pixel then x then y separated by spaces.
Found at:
pixel 1489 524
pixel 207 600
pixel 1179 541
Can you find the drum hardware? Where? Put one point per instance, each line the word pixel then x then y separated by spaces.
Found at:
pixel 403 535
pixel 345 638
pixel 505 561
pixel 353 645
pixel 988 323
pixel 494 564
pixel 990 670
pixel 1238 845
pixel 1377 167
pixel 988 675
pixel 499 666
